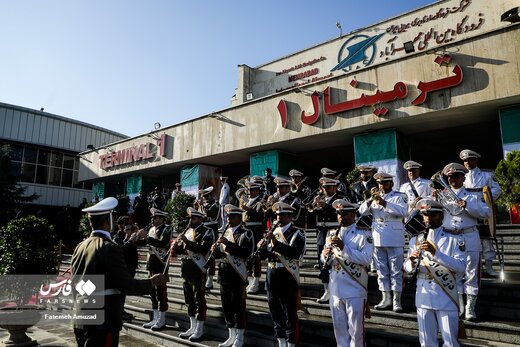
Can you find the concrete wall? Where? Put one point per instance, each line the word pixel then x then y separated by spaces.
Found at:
pixel 490 65
pixel 448 22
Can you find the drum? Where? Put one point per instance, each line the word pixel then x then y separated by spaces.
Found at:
pixel 415 224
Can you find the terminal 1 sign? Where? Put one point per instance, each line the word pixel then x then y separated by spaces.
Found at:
pixel 134 154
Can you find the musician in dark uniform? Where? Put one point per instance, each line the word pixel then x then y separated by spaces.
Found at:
pixel 283 247
pixel 124 238
pixel 156 199
pixel 326 219
pixel 158 241
pixel 99 255
pixel 361 189
pixel 194 244
pixel 234 247
pixel 269 181
pixel 210 207
pixel 254 218
pixel 345 191
pixel 302 193
pixel 283 189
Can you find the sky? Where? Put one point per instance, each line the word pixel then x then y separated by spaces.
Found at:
pixel 126 64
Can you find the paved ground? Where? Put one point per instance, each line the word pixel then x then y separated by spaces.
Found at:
pixel 61 335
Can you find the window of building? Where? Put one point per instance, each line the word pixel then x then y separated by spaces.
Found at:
pixel 42 166
pixel 42 174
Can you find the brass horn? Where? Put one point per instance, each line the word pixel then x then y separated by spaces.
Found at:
pixel 296 186
pixel 447 197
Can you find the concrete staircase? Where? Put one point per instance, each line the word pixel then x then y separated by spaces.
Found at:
pixel 498 308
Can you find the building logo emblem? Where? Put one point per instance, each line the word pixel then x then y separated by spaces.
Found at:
pixel 357 49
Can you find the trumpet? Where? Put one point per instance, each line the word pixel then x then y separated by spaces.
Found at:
pixel 447 197
pixel 317 202
pixel 296 186
pixel 326 265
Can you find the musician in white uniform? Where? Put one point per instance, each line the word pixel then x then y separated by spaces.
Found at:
pixel 463 220
pixel 347 253
pixel 388 208
pixel 417 187
pixel 436 296
pixel 478 178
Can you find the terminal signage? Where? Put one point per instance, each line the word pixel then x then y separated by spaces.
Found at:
pixel 134 154
pixel 378 99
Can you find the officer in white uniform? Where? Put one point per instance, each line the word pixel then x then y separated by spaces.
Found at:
pixel 223 200
pixel 478 178
pixel 347 253
pixel 464 221
pixel 421 185
pixel 436 298
pixel 388 208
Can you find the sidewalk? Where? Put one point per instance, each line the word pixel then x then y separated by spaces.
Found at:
pixel 62 335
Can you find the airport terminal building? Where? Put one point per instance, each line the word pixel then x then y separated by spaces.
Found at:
pixel 422 85
pixel 44 153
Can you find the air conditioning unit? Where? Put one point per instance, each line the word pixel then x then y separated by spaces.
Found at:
pixel 249 96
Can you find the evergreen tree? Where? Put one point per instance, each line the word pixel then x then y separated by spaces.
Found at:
pixel 11 192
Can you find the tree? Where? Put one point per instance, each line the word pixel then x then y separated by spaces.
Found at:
pixel 12 193
pixel 508 176
pixel 176 209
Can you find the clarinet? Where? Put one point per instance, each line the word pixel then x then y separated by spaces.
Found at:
pixel 134 235
pixel 258 250
pixel 326 265
pixel 211 255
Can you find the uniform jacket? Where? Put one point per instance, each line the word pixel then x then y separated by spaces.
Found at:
pixel 243 246
pixel 224 195
pixel 98 255
pixel 255 212
pixel 129 251
pixel 294 249
pixel 204 239
pixel 478 178
pixel 359 189
pixel 422 186
pixel 429 294
pixel 387 225
pixel 475 209
pixel 358 249
pixel 158 237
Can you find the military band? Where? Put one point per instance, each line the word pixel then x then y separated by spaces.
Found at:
pixel 434 257
pixel 347 254
pixel 388 208
pixel 283 247
pixel 326 219
pixel 194 245
pixel 234 248
pixel 463 219
pixel 158 241
pixel 346 247
pixel 476 180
